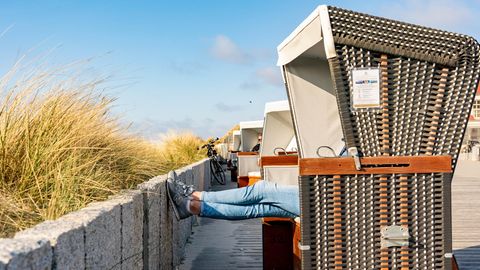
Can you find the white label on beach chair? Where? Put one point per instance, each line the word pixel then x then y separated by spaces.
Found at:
pixel 365 88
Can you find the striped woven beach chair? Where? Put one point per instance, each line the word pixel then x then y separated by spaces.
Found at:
pixel 403 94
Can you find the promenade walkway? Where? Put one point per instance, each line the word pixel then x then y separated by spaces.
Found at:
pixel 466 214
pixel 223 244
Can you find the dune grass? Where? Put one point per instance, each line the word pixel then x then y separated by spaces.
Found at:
pixel 186 143
pixel 60 149
pixel 227 138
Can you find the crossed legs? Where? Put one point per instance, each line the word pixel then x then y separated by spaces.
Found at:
pixel 264 199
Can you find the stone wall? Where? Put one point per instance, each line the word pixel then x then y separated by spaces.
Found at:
pixel 135 229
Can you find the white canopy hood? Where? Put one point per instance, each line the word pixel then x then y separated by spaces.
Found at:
pixel 303 58
pixel 236 136
pixel 278 129
pixel 249 131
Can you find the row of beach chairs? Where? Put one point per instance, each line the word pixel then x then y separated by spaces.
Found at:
pixel 371 133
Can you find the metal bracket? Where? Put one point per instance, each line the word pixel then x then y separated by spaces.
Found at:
pixel 394 236
pixel 276 151
pixel 303 247
pixel 353 151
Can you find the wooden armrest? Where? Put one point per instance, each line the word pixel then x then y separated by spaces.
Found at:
pixel 276 219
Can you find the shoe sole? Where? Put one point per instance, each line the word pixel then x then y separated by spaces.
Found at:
pixel 177 215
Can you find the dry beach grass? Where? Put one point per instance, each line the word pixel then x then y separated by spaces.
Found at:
pixel 60 148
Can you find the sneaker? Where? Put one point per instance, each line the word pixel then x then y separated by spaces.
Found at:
pixel 180 187
pixel 177 198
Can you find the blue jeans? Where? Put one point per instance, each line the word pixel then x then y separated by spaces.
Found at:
pixel 263 199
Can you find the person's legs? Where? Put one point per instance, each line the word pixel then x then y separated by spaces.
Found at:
pixel 261 193
pixel 237 212
pixel 264 199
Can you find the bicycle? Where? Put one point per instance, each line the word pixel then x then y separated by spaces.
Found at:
pixel 216 169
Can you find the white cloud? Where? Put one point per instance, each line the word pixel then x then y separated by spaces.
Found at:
pixel 263 77
pixel 270 75
pixel 444 14
pixel 225 49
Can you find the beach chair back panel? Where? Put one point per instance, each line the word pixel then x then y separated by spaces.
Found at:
pixel 428 83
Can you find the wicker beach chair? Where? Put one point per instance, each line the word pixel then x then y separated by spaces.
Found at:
pixel 278 154
pixel 279 164
pixel 392 212
pixel 248 160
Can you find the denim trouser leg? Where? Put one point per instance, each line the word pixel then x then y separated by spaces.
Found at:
pixel 264 199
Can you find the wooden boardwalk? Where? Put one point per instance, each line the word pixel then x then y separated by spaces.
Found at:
pixel 220 244
pixel 466 214
pixel 223 244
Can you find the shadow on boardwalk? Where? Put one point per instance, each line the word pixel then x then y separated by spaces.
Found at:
pixel 223 244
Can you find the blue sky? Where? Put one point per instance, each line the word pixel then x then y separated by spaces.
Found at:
pixel 189 65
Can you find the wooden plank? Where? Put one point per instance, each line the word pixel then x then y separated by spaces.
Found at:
pixel 253 179
pixel 247 154
pixel 287 153
pixel 385 143
pixel 454 264
pixel 277 245
pixel 384 221
pixel 375 165
pixel 337 222
pixel 276 219
pixel 297 254
pixel 242 181
pixel 385 139
pixel 405 250
pixel 279 160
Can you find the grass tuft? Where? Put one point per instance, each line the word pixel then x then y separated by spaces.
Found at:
pixel 60 149
pixel 180 149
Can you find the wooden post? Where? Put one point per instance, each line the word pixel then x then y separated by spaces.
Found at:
pixel 386 152
pixel 337 222
pixel 404 251
pixel 433 125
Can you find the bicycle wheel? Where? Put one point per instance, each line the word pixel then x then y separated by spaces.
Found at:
pixel 217 171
